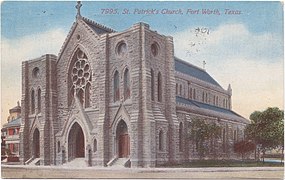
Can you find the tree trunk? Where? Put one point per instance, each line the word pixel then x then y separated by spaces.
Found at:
pixel 255 153
pixel 282 152
pixel 263 153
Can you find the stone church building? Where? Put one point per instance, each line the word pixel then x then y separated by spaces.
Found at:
pixel 119 98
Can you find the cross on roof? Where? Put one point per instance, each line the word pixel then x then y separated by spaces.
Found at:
pixel 78 6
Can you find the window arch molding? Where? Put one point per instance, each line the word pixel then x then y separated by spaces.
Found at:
pixel 116 85
pixel 79 76
pixel 95 144
pixel 155 49
pixel 121 48
pixel 71 59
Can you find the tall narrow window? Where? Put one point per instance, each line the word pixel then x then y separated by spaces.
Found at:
pixel 87 95
pixel 176 89
pixel 194 94
pixel 190 93
pixel 180 137
pixel 58 146
pixel 214 100
pixel 95 145
pixel 33 101
pixel 116 87
pixel 217 101
pixel 203 97
pixel 206 98
pixel 160 140
pixel 235 135
pixel 224 140
pixel 127 91
pixel 180 90
pixel 80 95
pixel 39 100
pixel 152 84
pixel 159 88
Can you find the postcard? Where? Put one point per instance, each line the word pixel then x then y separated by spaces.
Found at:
pixel 142 89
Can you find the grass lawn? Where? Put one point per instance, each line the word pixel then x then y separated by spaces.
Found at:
pixel 224 163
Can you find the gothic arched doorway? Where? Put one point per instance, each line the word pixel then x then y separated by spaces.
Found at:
pixel 123 140
pixel 36 143
pixel 76 147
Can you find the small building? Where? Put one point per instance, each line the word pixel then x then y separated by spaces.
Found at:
pixel 10 134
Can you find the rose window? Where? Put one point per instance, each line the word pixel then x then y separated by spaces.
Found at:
pixel 154 49
pixel 80 73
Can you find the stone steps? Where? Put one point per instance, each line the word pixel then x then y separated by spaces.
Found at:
pixel 35 162
pixel 120 162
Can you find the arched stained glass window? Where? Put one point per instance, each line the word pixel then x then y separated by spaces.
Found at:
pixel 39 100
pixel 159 87
pixel 180 136
pixel 80 79
pixel 116 86
pixel 95 145
pixel 152 84
pixel 32 101
pixel 127 92
pixel 160 140
pixel 87 95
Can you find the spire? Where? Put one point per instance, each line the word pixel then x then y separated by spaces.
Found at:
pixel 78 6
pixel 230 89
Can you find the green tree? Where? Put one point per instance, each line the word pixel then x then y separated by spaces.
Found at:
pixel 266 129
pixel 204 136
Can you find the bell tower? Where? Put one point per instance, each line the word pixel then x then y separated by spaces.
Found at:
pixel 38 110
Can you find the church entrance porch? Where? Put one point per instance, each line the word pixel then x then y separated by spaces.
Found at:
pixel 123 140
pixel 36 143
pixel 76 146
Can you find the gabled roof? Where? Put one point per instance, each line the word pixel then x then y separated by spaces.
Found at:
pixel 95 27
pixel 98 28
pixel 208 107
pixel 194 71
pixel 13 123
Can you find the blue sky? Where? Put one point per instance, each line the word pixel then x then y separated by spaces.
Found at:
pixel 23 18
pixel 244 50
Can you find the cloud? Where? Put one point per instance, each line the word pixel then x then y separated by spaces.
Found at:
pixel 13 52
pixel 252 63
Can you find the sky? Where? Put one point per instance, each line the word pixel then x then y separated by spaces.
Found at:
pixel 242 43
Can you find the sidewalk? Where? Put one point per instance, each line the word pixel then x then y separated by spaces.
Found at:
pixel 20 171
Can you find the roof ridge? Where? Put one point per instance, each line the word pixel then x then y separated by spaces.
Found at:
pixel 97 24
pixel 210 105
pixel 189 64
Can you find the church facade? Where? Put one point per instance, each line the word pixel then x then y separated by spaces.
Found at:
pixel 119 97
